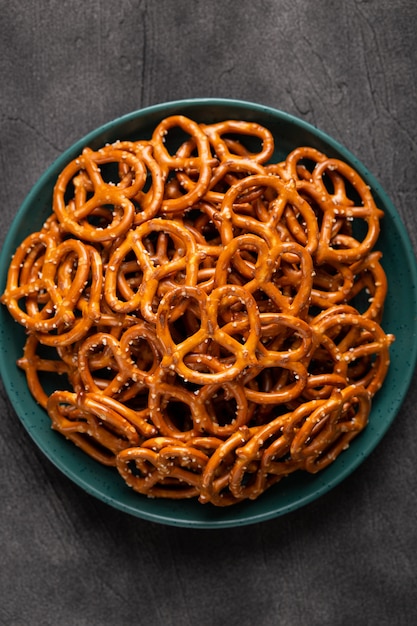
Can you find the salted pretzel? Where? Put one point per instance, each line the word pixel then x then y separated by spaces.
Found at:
pixel 200 316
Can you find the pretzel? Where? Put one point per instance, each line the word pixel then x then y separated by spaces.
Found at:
pixel 85 176
pixel 172 162
pixel 166 468
pixel 153 269
pixel 214 315
pixel 99 425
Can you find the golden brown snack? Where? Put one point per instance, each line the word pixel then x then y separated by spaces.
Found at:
pixel 200 307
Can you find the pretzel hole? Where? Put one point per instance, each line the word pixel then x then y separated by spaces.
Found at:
pixel 164 248
pixel 184 322
pixel 101 364
pixel 79 184
pixel 115 432
pixel 148 182
pixel 135 397
pixel 322 362
pixel 71 412
pixel 328 278
pixel 201 362
pixel 305 168
pixel 243 145
pixel 223 357
pixel 103 377
pixel 272 379
pixel 334 182
pixel 319 428
pixel 244 261
pixel 347 189
pixel 358 230
pixel 232 311
pixel 184 457
pixel 285 340
pixel 177 415
pixel 244 202
pixel 129 278
pixel 277 452
pixel 175 138
pixel 116 173
pixel 104 215
pixel 34 304
pixel 139 468
pixel 226 356
pixel 222 407
pixel 364 294
pixel 142 354
pixel 170 248
pixel 360 371
pixel 48 353
pixel 247 479
pixel 203 226
pixel 325 457
pixel 288 277
pixel 296 224
pixel 264 303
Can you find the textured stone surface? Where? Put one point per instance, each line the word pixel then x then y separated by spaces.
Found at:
pixel 350 69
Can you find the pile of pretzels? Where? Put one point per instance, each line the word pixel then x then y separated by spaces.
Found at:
pixel 214 314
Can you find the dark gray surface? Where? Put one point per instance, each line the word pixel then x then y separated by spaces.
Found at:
pixel 350 69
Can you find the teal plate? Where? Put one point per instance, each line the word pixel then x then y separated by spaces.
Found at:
pixel 298 489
